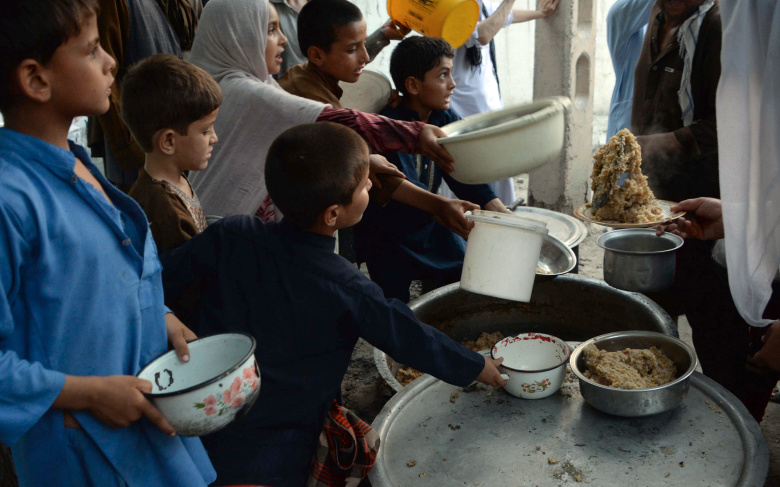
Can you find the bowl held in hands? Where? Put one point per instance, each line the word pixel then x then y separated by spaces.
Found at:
pixel 217 386
pixel 496 145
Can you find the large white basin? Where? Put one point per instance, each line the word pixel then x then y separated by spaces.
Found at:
pixel 496 145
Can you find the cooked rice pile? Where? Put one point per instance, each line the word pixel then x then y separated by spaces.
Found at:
pixel 633 202
pixel 629 369
pixel 484 342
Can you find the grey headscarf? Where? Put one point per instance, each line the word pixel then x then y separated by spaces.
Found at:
pixel 230 46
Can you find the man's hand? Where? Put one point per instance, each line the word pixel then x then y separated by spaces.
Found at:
pixel 431 148
pixel 450 213
pixel 769 355
pixel 178 336
pixel 378 164
pixel 704 220
pixel 490 374
pixel 116 400
pixel 393 31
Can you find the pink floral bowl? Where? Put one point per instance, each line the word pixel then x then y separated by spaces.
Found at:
pixel 534 363
pixel 217 386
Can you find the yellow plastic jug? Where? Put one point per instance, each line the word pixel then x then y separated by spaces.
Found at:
pixel 452 20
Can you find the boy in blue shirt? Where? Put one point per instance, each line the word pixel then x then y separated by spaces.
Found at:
pixel 305 305
pixel 81 305
pixel 400 243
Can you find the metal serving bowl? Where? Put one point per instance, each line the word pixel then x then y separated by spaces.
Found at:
pixel 570 307
pixel 636 259
pixel 556 258
pixel 636 402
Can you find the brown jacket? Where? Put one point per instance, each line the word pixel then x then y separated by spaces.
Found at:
pixel 307 81
pixel 656 109
pixel 171 222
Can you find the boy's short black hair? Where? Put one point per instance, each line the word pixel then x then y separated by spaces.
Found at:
pixel 314 166
pixel 34 29
pixel 162 92
pixel 415 56
pixel 319 19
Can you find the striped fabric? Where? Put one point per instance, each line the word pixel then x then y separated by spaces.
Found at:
pixel 687 36
pixel 346 451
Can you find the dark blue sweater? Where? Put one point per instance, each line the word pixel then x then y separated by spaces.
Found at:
pixel 306 306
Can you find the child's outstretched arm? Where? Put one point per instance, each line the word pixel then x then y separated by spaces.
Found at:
pixel 386 135
pixel 490 374
pixel 448 212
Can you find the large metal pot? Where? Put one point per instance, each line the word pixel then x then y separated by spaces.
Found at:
pixel 570 307
pixel 636 402
pixel 635 259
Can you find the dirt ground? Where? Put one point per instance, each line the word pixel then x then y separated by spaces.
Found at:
pixel 365 392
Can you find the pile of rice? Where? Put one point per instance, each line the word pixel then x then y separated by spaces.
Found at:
pixel 633 202
pixel 629 369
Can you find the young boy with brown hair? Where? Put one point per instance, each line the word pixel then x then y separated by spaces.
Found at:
pixel 399 243
pixel 307 306
pixel 170 107
pixel 332 34
pixel 81 305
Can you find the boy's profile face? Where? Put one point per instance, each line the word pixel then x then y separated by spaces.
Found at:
pixel 347 56
pixel 194 149
pixel 275 42
pixel 79 74
pixel 353 212
pixel 437 86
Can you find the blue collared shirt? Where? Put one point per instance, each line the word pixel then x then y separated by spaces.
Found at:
pixel 81 294
pixel 626 26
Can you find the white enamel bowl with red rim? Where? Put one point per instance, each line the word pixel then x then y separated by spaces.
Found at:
pixel 217 386
pixel 534 362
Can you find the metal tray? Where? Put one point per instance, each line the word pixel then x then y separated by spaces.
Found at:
pixel 489 438
pixel 568 229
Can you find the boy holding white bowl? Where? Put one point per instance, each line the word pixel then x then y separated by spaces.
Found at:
pixel 305 305
pixel 400 243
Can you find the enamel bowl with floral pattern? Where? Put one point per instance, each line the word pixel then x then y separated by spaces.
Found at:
pixel 217 386
pixel 534 362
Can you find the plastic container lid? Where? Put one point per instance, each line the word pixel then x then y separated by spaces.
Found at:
pixel 505 219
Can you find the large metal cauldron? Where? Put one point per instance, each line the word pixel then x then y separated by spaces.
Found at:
pixel 570 307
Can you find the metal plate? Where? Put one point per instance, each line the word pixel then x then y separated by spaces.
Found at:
pixel 369 94
pixel 585 213
pixel 489 438
pixel 566 228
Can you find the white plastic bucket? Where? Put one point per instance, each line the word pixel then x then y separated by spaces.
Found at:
pixel 501 255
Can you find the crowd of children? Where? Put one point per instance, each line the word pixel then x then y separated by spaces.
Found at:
pixel 82 307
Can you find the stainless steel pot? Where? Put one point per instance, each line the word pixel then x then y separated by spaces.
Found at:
pixel 636 402
pixel 635 259
pixel 570 307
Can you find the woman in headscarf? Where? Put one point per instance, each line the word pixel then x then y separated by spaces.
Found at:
pixel 240 44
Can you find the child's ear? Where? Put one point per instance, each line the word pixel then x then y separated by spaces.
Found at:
pixel 316 55
pixel 165 141
pixel 412 85
pixel 31 79
pixel 330 216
